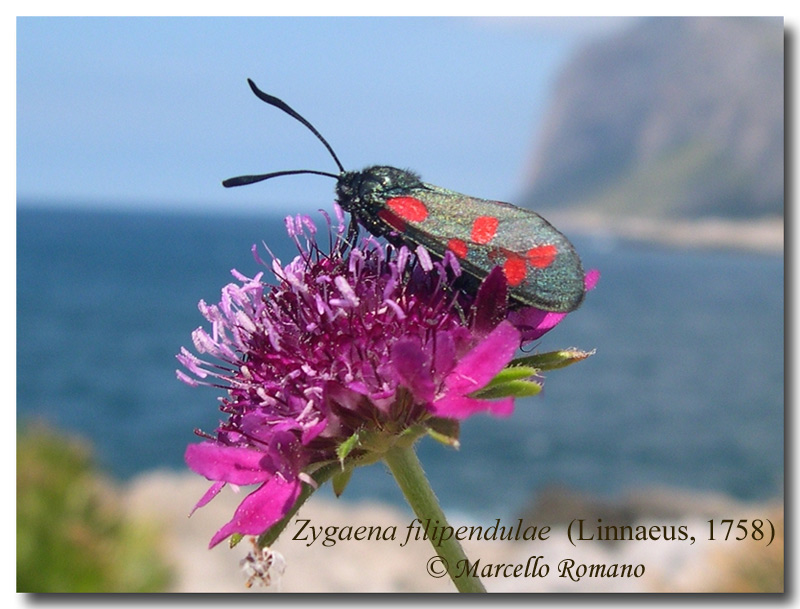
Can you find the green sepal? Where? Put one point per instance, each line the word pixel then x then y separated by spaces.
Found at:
pixel 509 374
pixel 446 431
pixel 235 539
pixel 516 389
pixel 552 359
pixel 340 480
pixel 346 447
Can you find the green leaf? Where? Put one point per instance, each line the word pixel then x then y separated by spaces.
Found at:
pixel 445 431
pixel 516 389
pixel 552 359
pixel 511 381
pixel 511 373
pixel 340 480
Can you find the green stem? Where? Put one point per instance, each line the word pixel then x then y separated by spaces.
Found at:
pixel 407 470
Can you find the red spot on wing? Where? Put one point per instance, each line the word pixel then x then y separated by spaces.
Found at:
pixel 515 270
pixel 408 208
pixel 458 247
pixel 392 220
pixel 541 257
pixel 484 228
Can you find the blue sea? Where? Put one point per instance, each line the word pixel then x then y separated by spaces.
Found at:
pixel 686 389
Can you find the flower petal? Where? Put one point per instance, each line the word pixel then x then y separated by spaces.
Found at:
pixel 462 407
pixel 444 350
pixel 261 509
pixel 209 495
pixel 491 302
pixel 233 464
pixel 534 323
pixel 412 369
pixel 591 279
pixel 484 361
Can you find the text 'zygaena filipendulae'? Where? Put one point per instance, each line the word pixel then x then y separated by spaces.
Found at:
pixel 344 353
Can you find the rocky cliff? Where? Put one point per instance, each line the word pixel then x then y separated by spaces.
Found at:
pixel 675 117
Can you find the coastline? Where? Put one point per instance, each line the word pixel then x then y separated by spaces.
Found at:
pixel 164 499
pixel 762 235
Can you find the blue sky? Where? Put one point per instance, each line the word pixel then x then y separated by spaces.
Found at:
pixel 154 112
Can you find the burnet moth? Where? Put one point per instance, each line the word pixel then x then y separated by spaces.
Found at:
pixel 540 264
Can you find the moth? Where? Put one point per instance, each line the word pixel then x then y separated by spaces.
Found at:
pixel 541 266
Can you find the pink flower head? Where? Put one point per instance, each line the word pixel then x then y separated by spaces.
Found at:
pixel 378 339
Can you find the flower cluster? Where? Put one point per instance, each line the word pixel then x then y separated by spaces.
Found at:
pixel 377 340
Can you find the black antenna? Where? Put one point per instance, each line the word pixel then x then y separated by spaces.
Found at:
pixel 244 180
pixel 282 105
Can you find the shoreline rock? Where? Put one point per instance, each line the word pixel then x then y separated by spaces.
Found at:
pixel 763 235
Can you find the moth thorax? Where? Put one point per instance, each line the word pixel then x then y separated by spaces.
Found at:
pixel 373 185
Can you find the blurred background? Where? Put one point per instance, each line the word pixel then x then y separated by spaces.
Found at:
pixel 655 144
